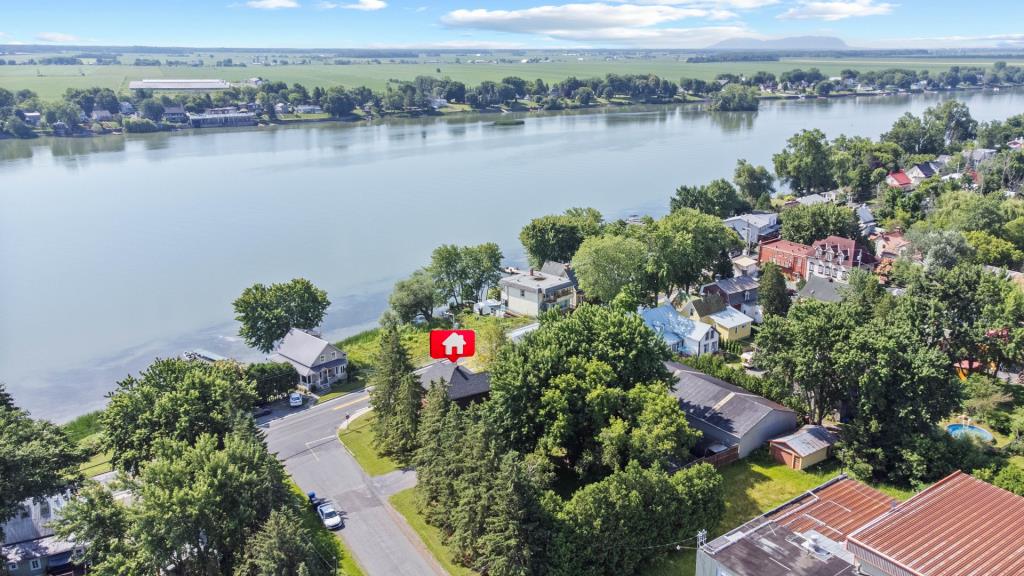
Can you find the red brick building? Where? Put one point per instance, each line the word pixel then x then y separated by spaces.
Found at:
pixel 790 257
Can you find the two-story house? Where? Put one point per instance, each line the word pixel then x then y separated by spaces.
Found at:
pixel 532 292
pixel 834 258
pixel 736 292
pixel 790 257
pixel 755 227
pixel 318 362
pixel 920 172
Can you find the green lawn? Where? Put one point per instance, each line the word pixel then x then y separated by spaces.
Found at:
pixel 98 464
pixel 51 81
pixel 327 544
pixel 353 384
pixel 416 339
pixel 405 503
pixel 358 438
pixel 84 426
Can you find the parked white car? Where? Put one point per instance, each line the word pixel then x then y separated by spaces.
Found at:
pixel 295 399
pixel 329 516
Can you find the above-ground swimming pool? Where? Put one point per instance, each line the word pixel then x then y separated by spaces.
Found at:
pixel 961 430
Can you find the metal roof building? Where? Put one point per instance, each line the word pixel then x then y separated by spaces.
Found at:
pixel 728 414
pixel 171 84
pixel 803 537
pixel 960 526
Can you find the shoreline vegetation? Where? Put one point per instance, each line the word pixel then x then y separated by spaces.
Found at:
pixel 259 102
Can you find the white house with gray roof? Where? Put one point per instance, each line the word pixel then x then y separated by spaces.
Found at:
pixel 30 547
pixel 532 292
pixel 318 362
pixel 681 334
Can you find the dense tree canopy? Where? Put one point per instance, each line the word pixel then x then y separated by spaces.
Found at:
pixel 808 224
pixel 755 183
pixel 173 399
pixel 556 238
pixel 605 264
pixel 415 295
pixel 462 273
pixel 719 198
pixel 805 163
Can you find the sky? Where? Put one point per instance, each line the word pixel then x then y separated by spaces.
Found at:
pixel 508 23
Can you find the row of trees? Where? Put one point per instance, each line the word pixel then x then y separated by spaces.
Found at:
pixel 535 480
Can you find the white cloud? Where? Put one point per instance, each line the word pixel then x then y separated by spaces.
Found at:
pixel 836 10
pixel 272 4
pixel 56 37
pixel 987 41
pixel 366 5
pixel 554 20
pixel 738 4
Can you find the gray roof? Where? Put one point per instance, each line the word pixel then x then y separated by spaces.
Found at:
pixel 520 333
pixel 174 109
pixel 759 219
pixel 725 406
pixel 707 305
pixel 864 214
pixel 736 284
pixel 773 550
pixel 926 169
pixel 822 289
pixel 812 199
pixel 462 382
pixel 807 440
pixel 561 270
pixel 303 350
pixel 536 281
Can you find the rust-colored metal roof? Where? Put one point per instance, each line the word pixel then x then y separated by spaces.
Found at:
pixel 960 526
pixel 834 510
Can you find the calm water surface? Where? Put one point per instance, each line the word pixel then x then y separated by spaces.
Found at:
pixel 114 251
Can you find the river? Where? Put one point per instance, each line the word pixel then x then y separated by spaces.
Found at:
pixel 117 250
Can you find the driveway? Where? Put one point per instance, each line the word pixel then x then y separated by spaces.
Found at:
pixel 307 444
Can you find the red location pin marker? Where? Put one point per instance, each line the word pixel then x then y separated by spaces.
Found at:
pixel 452 344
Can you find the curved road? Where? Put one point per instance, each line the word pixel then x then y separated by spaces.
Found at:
pixel 307 444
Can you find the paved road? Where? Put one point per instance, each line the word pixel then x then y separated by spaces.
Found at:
pixel 306 442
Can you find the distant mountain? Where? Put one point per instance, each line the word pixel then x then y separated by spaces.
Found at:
pixel 792 43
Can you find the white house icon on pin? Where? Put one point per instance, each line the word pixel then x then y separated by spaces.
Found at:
pixel 454 344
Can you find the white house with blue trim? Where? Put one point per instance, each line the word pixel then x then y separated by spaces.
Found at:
pixel 681 334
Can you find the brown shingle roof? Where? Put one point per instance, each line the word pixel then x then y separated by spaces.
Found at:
pixel 960 526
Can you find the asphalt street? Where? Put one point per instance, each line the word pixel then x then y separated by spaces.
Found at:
pixel 306 442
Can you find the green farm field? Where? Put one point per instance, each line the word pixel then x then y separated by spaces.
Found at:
pixel 51 81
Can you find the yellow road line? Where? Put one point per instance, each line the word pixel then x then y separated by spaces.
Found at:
pixel 349 403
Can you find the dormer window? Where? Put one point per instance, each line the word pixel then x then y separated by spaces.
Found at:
pixel 334 355
pixel 321 357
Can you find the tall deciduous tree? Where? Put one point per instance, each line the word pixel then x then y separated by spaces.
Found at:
pixel 461 273
pixel 808 224
pixel 755 183
pixel 271 380
pixel 557 237
pixel 802 350
pixel 415 295
pixel 604 264
pixel 804 163
pixel 173 399
pixel 772 295
pixel 267 313
pixel 37 458
pixel 719 198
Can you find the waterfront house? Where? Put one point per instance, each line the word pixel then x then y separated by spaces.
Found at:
pixel 61 129
pixel 899 179
pixel 755 227
pixel 438 103
pixel 790 257
pixel 464 386
pixel 222 119
pixel 126 108
pixel 29 545
pixel 681 334
pixel 806 536
pixel 955 527
pixel 308 109
pixel 281 108
pixel 735 291
pixel 727 415
pixel 318 362
pixel 101 115
pixel 532 292
pixel 175 114
pixel 804 448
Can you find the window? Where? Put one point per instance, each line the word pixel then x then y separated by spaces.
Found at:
pixel 522 293
pixel 334 355
pixel 35 564
pixel 44 509
pixel 321 357
pixel 12 566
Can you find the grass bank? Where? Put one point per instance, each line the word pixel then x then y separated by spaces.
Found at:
pixel 358 438
pixel 405 503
